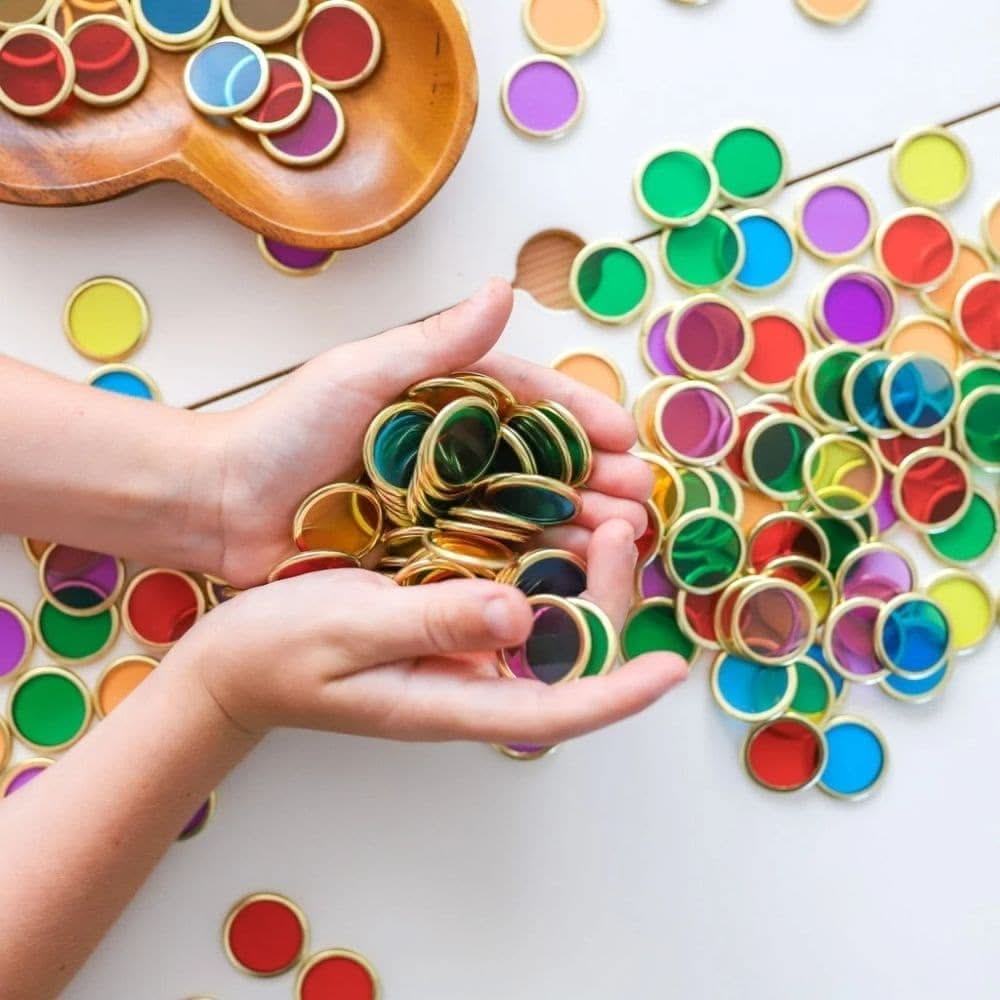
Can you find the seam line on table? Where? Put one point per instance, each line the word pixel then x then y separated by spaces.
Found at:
pixel 885 147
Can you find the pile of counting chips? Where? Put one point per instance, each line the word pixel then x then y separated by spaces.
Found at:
pixel 98 51
pixel 287 101
pixel 95 54
pixel 766 533
pixel 460 480
pixel 267 935
pixel 86 598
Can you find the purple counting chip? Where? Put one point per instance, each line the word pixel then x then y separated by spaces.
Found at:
pixel 14 640
pixel 653 580
pixel 542 96
pixel 197 822
pixel 880 572
pixel 851 640
pixel 80 580
pixel 316 138
pixel 657 355
pixel 885 509
pixel 857 307
pixel 24 777
pixel 291 258
pixel 836 221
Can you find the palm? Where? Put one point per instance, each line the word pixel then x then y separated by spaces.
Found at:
pixel 309 431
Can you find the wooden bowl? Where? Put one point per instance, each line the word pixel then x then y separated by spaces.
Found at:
pixel 407 126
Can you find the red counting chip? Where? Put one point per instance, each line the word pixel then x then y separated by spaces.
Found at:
pixel 917 248
pixel 785 534
pixel 977 314
pixel 697 612
pixel 265 934
pixel 932 489
pixel 340 44
pixel 785 755
pixel 36 71
pixel 287 99
pixel 779 348
pixel 310 562
pixel 337 974
pixel 746 420
pixel 160 605
pixel 111 59
pixel 893 450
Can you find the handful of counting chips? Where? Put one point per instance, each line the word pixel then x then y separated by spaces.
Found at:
pixel 459 479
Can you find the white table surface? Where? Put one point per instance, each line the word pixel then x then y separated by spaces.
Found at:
pixel 639 862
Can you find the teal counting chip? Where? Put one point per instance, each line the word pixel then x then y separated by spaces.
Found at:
pixel 226 77
pixel 857 758
pixel 750 691
pixel 391 446
pixel 770 252
pixel 913 636
pixel 176 20
pixel 863 394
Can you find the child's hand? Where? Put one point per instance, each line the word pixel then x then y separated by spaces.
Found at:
pixel 309 431
pixel 351 651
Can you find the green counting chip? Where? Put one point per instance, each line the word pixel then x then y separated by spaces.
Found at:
pixel 611 282
pixel 751 164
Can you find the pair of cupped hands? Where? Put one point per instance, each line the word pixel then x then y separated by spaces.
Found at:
pixel 349 650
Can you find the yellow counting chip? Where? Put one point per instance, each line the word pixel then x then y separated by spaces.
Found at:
pixel 968 605
pixel 106 319
pixel 931 167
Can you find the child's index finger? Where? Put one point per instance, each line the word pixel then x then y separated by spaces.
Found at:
pixel 608 425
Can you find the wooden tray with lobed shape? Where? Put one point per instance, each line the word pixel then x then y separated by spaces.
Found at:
pixel 407 126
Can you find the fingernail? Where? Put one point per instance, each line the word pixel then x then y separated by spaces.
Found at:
pixel 502 621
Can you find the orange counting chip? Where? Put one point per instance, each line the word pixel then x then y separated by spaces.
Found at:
pixel 971 261
pixel 595 370
pixel 119 680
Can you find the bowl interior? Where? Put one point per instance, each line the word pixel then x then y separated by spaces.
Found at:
pixel 407 126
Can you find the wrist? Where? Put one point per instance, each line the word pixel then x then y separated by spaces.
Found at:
pixel 206 695
pixel 187 497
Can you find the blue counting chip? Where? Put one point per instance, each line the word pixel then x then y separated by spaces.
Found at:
pixel 916 637
pixel 856 759
pixel 866 393
pixel 177 17
pixel 227 76
pixel 744 688
pixel 922 393
pixel 770 251
pixel 815 652
pixel 916 690
pixel 125 383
